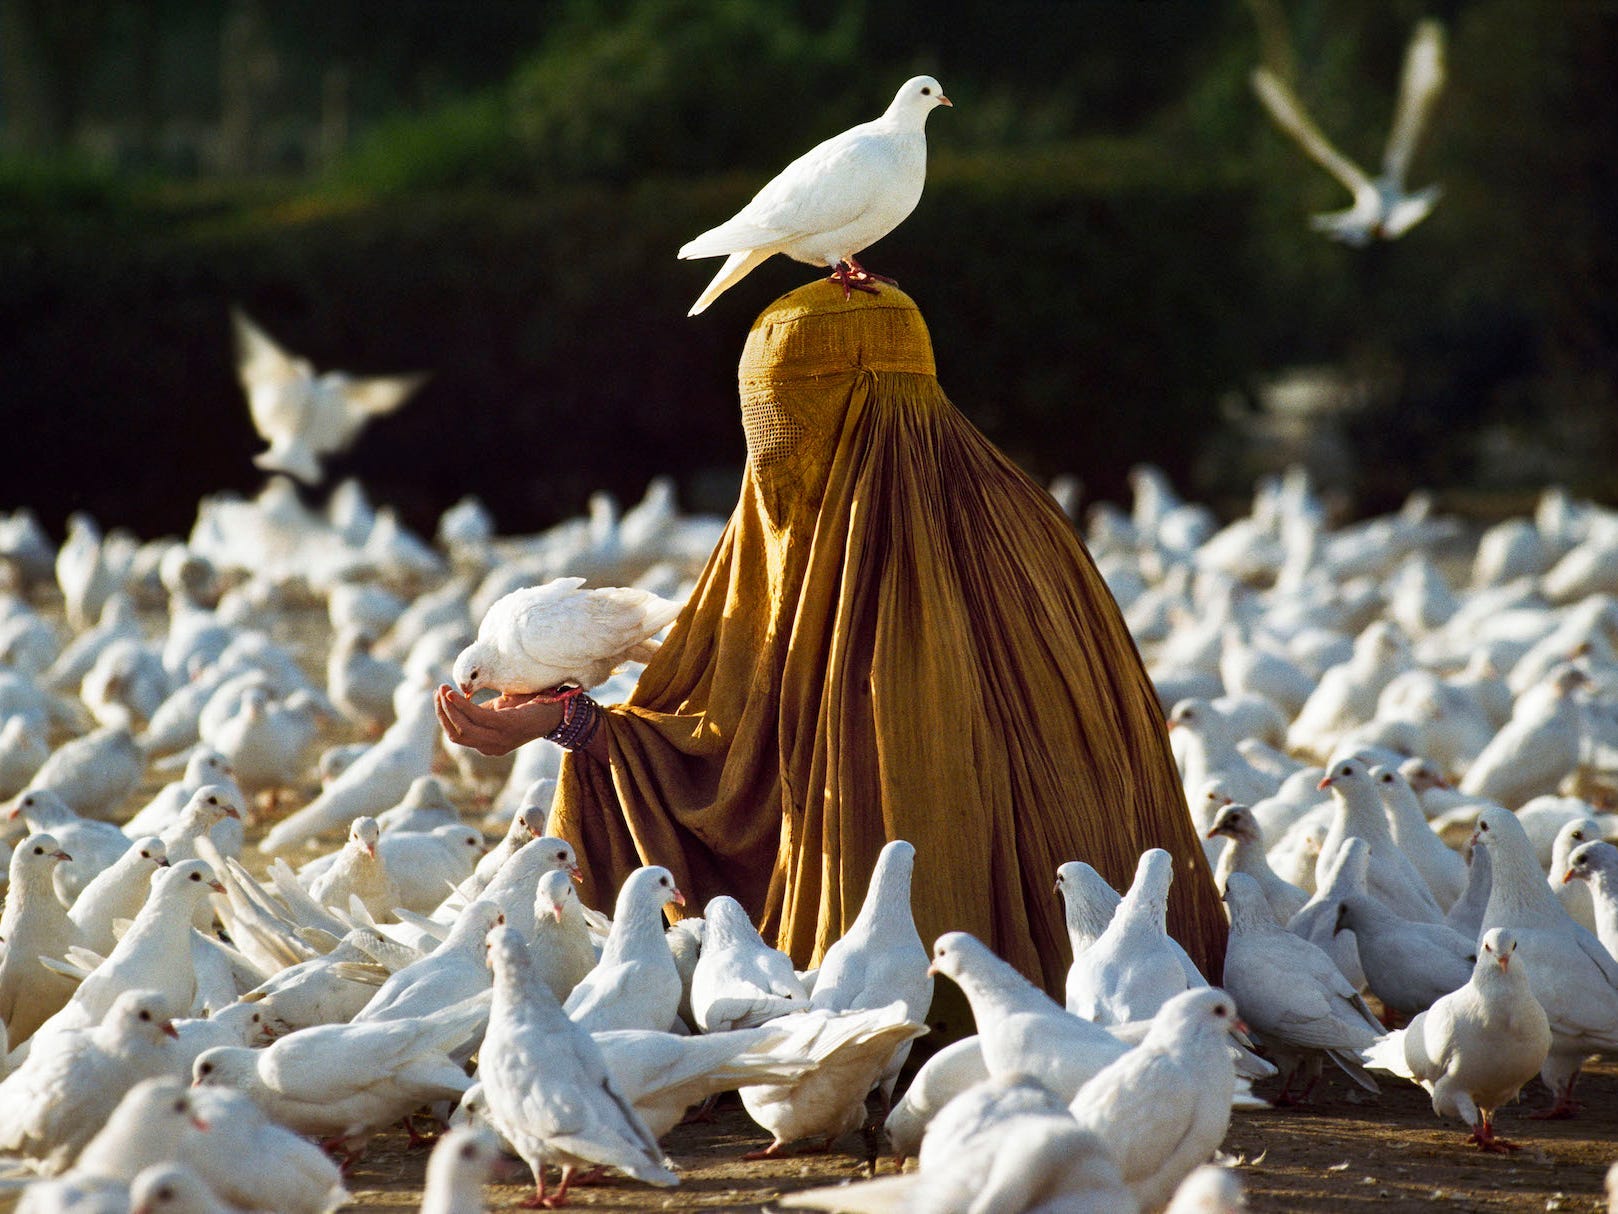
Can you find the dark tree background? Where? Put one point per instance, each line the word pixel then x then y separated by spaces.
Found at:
pixel 1112 250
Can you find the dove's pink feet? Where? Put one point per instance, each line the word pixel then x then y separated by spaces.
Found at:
pixel 1565 1105
pixel 855 277
pixel 773 1151
pixel 1483 1136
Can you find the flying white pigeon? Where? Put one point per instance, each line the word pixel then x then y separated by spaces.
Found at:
pixel 303 416
pixel 833 201
pixel 1474 1048
pixel 1383 208
pixel 541 637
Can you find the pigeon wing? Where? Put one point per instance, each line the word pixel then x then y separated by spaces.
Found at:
pixel 1422 81
pixel 1291 117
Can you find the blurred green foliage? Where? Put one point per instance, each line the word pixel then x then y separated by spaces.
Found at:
pixel 1112 242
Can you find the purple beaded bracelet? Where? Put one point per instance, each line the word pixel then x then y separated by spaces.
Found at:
pixel 581 716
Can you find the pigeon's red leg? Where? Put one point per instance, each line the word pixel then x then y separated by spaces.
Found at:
pixel 769 1152
pixel 852 280
pixel 865 275
pixel 1565 1105
pixel 1483 1135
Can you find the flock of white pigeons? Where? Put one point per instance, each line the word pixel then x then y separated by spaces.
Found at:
pixel 1394 737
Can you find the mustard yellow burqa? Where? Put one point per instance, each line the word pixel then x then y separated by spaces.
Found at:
pixel 899 635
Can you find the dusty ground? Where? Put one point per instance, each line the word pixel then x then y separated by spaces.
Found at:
pixel 1387 1154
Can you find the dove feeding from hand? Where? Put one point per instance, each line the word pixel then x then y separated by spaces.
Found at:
pixel 540 638
pixel 302 415
pixel 833 201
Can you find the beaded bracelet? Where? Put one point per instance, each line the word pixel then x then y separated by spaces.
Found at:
pixel 581 716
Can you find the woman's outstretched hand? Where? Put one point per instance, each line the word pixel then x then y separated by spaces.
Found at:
pixel 497 727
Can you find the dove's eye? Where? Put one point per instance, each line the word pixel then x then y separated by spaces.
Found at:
pixel 213 800
pixel 205 1069
pixel 926 92
pixel 1221 1010
pixel 196 876
pixel 165 1194
pixel 180 1107
pixel 145 1015
pixel 469 1151
pixel 39 851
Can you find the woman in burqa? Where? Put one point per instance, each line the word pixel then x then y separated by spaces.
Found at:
pixel 899 635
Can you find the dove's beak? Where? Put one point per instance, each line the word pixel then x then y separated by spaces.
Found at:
pixel 575 872
pixel 1566 877
pixel 466 690
pixel 200 1124
pixel 1170 724
pixel 62 855
pixel 557 911
pixel 1212 831
pixel 943 100
pixel 1239 1027
pixel 169 1030
pixel 932 970
pixel 370 850
pixel 1325 783
pixel 232 812
pixel 163 863
pixel 216 887
pixel 677 898
pixel 1504 962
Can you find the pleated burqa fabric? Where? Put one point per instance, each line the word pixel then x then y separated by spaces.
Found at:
pixel 899 635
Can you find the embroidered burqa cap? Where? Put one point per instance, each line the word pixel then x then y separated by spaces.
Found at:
pixel 899 635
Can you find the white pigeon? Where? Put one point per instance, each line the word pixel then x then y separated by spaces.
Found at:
pixel 33 925
pixel 303 416
pixel 1575 896
pixel 541 637
pixel 1005 1145
pixel 155 953
pixel 880 957
pixel 851 1051
pixel 92 844
pixel 833 201
pixel 546 1086
pixel 1442 869
pixel 359 872
pixel 635 985
pixel 1383 208
pixel 267 740
pixel 1088 905
pixel 1359 813
pixel 208 808
pixel 252 1162
pixel 1247 854
pixel 1537 748
pixel 739 981
pixel 515 884
pixel 1466 916
pixel 53 1104
pixel 377 780
pixel 1130 971
pixel 563 947
pixel 1020 1027
pixel 1572 976
pixel 1407 965
pixel 1163 1108
pixel 204 765
pixel 664 1074
pixel 464 1161
pixel 426 866
pixel 1291 993
pixel 1210 1189
pixel 424 807
pixel 346 1081
pixel 1474 1048
pixel 944 1076
pixel 359 683
pixel 1596 862
pixel 23 752
pixel 149 1125
pixel 94 773
pixel 454 971
pixel 116 893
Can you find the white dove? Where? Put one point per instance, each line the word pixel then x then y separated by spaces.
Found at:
pixel 116 893
pixel 546 1086
pixel 1292 993
pixel 304 416
pixel 562 947
pixel 147 1126
pixel 635 985
pixel 53 1104
pixel 1383 209
pixel 1597 863
pixel 1019 1026
pixel 453 971
pixel 833 201
pixel 460 1165
pixel 1475 1047
pixel 880 957
pixel 1131 970
pixel 541 637
pixel 1163 1108
pixel 252 1162
pixel 1572 976
pixel 348 1080
pixel 1247 854
pixel 33 924
pixel 739 981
